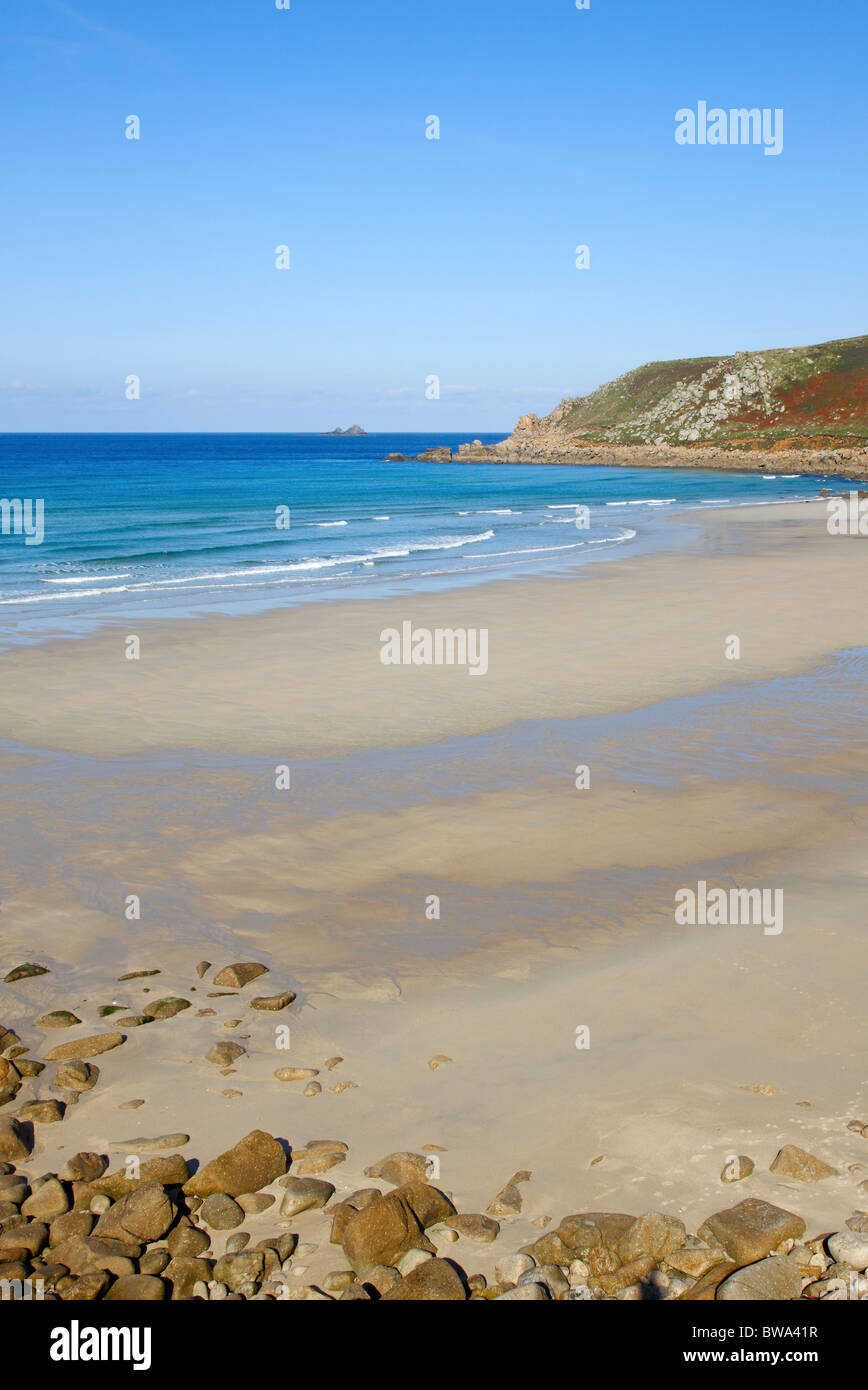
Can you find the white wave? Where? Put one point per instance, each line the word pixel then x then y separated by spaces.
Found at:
pixel 381 518
pixel 498 511
pixel 87 578
pixel 256 574
pixel 643 502
pixel 328 523
pixel 563 506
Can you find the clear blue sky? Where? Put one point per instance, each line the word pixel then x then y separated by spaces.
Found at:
pixel 410 257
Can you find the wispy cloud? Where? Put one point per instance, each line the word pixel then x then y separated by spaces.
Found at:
pixel 117 38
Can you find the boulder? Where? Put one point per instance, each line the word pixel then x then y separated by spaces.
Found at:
pixel 382 1233
pixel 85 1047
pixel 273 1003
pixel 144 1215
pixel 138 1288
pixel 482 1229
pixel 773 1279
pixel 238 975
pixel 849 1248
pixel 793 1162
pixel 305 1194
pixel 254 1162
pixel 169 1171
pixel 652 1234
pixel 434 1281
pixel 751 1230
pixel 400 1168
pixel 16 1140
pixel 76 1075
pixel 83 1167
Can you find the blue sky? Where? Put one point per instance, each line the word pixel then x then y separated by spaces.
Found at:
pixel 410 257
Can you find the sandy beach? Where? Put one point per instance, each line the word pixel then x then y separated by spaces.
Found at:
pixel 554 912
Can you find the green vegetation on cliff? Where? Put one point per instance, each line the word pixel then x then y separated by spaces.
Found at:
pixel 802 397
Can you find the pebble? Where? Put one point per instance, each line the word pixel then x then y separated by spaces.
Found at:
pixel 296 1073
pixel 275 1002
pixel 793 1162
pixel 240 974
pixel 223 1053
pixel 510 1269
pixel 220 1212
pixel 850 1248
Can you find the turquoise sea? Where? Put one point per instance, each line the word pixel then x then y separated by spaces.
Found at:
pixel 176 525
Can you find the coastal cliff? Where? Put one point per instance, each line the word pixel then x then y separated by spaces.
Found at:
pixel 802 410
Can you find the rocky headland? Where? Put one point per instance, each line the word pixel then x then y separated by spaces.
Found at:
pixel 788 410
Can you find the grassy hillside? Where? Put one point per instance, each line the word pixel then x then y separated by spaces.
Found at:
pixel 804 397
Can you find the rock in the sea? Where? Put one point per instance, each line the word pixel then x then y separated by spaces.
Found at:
pixel 202 968
pixel 383 1232
pixel 793 1162
pixel 76 1076
pixel 254 1162
pixel 652 1234
pixel 772 1279
pixel 296 1073
pixel 434 1281
pixel 400 1168
pixel 85 1047
pixel 482 1229
pixel 59 1018
pixel 223 1054
pixel 737 1168
pixel 24 972
pixel 240 974
pixel 850 1248
pixel 305 1194
pixel 220 1212
pixel 751 1230
pixel 273 1003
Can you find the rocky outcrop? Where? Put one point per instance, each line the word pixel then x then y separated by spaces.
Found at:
pixel 796 410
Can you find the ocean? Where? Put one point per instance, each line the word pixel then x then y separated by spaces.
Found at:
pixel 177 525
